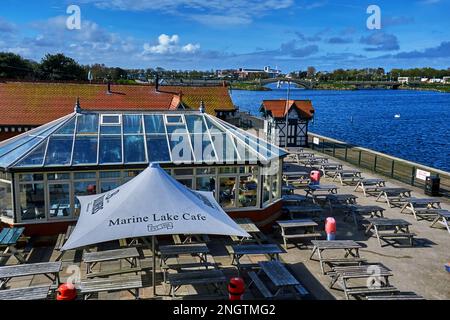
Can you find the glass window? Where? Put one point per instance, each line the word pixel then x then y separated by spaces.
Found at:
pixel 248 186
pixel 206 184
pixel 154 124
pixel 227 170
pixel 83 188
pixel 195 124
pixel 174 119
pixel 85 150
pixel 68 128
pixel 110 149
pixel 131 174
pixel 58 176
pixel 134 149
pixel 224 147
pixel 227 192
pixel 177 129
pixel 110 174
pixel 32 201
pixel 108 186
pixel 87 124
pixel 203 148
pixel 266 189
pixel 275 184
pixel 186 182
pixel 205 170
pixel 180 148
pixel 111 119
pixel 59 197
pixel 85 175
pixel 183 172
pixel 110 130
pixel 6 205
pixel 132 123
pixel 35 158
pixel 158 149
pixel 59 150
pixel 31 177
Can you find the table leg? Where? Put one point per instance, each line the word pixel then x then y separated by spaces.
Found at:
pixel 319 252
pixel 378 235
pixel 312 253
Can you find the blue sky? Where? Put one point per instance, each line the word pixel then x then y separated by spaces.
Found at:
pixel 217 34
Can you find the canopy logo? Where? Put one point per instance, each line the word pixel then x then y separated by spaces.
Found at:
pixel 99 202
pixel 167 225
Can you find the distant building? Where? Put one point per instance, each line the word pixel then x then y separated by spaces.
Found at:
pixel 446 79
pixel 436 81
pixel 424 79
pixel 245 73
pixel 403 79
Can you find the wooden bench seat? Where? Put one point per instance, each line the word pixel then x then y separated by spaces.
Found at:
pixel 108 273
pixel 30 293
pixel 397 297
pixel 409 236
pixel 302 235
pixel 131 284
pixel 370 291
pixel 259 285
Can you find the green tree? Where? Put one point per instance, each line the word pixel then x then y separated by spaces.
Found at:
pixel 13 66
pixel 60 67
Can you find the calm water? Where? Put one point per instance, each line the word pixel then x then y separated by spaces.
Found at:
pixel 421 134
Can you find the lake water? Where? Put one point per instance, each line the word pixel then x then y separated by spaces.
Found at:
pixel 366 118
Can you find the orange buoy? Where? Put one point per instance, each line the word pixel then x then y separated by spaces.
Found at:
pixel 66 292
pixel 236 288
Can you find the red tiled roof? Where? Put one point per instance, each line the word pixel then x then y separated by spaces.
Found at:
pixel 278 107
pixel 27 103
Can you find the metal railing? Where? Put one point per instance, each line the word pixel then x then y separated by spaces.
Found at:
pixel 380 163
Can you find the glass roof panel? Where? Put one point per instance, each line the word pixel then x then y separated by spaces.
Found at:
pixel 110 149
pixel 225 147
pixel 110 129
pixel 134 149
pixel 177 129
pixel 132 123
pixel 195 123
pixel 85 150
pixel 203 148
pixel 67 128
pixel 158 150
pixel 181 148
pixel 87 124
pixel 154 124
pixel 15 154
pixel 59 150
pixel 35 158
pixel 14 144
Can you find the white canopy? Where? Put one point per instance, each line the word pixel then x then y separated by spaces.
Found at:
pixel 151 204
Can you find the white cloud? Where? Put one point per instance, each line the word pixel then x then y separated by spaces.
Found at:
pixel 170 45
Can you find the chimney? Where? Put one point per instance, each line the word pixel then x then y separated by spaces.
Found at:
pixel 77 108
pixel 202 107
pixel 109 88
pixel 157 83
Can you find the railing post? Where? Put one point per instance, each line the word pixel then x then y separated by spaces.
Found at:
pixel 392 168
pixel 360 156
pixel 334 149
pixel 323 146
pixel 413 175
pixel 346 150
pixel 375 164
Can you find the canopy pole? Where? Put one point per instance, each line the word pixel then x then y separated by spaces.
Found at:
pixel 154 266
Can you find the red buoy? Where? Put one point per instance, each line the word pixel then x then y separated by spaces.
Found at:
pixel 330 225
pixel 66 292
pixel 314 177
pixel 236 288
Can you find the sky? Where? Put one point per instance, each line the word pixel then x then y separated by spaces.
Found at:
pixel 219 34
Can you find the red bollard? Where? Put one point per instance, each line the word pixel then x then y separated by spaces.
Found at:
pixel 236 289
pixel 66 292
pixel 330 228
pixel 314 177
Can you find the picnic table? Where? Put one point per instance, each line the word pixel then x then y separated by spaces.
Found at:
pixel 294 199
pixel 350 248
pixel 277 273
pixel 61 240
pixel 397 228
pixel 29 293
pixel 358 210
pixel 377 279
pixel 393 195
pixel 295 176
pixel 250 227
pixel 443 218
pixel 48 269
pixel 313 161
pixel 320 190
pixel 298 229
pixel 413 205
pixel 8 240
pixel 131 284
pixel 238 251
pixel 314 209
pixel 370 185
pixel 330 167
pixel 336 201
pixel 130 255
pixel 298 156
pixel 347 176
pixel 204 277
pixel 288 189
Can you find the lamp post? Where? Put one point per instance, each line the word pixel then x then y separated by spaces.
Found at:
pixel 287 113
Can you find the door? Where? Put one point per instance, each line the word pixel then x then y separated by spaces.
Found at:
pixel 292 133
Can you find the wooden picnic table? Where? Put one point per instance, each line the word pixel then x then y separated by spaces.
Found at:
pixel 61 240
pixel 8 241
pixel 370 185
pixel 131 284
pixel 358 210
pixel 130 255
pixel 330 167
pixel 376 273
pixel 304 229
pixel 250 227
pixel 443 218
pixel 350 247
pixel 200 250
pixel 320 190
pixel 29 293
pixel 393 195
pixel 336 201
pixel 48 269
pixel 412 204
pixel 398 228
pixel 288 189
pixel 346 176
pixel 313 209
pixel 313 161
pixel 238 251
pixel 282 279
pixel 204 277
pixel 294 198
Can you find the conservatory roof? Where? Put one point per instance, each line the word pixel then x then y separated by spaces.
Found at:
pixel 98 138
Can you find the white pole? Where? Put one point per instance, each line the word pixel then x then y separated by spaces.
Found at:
pixel 287 113
pixel 154 266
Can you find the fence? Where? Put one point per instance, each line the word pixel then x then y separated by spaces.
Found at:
pixel 396 168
